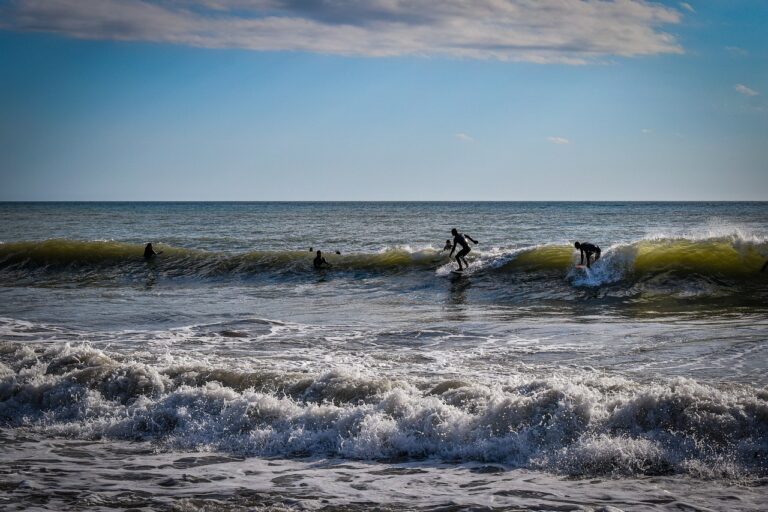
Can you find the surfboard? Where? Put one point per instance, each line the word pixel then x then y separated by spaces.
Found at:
pixel 457 272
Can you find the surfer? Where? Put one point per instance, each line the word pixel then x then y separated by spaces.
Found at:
pixel 320 261
pixel 461 239
pixel 149 252
pixel 589 250
pixel 448 245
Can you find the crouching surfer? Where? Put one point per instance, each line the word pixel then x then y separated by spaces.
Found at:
pixel 589 250
pixel 461 239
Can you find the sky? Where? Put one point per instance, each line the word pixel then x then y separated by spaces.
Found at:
pixel 262 100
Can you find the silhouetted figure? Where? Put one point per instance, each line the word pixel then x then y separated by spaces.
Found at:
pixel 765 265
pixel 338 252
pixel 320 261
pixel 448 246
pixel 461 239
pixel 589 250
pixel 149 252
pixel 310 249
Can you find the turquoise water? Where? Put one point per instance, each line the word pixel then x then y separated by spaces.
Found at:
pixel 650 365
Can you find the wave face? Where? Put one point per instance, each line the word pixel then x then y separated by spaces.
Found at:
pixel 677 267
pixel 579 426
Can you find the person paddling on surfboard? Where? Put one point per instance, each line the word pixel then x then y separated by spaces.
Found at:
pixel 149 252
pixel 589 250
pixel 319 261
pixel 461 239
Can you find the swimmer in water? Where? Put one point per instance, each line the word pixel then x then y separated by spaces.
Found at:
pixel 319 261
pixel 448 245
pixel 149 252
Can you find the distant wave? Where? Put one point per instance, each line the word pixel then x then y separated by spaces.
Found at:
pixel 592 425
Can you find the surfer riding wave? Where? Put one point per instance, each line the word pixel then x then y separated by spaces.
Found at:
pixel 461 239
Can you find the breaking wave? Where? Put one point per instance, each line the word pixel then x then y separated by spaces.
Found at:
pixel 585 425
pixel 666 265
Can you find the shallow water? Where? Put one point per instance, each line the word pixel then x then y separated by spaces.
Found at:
pixel 638 384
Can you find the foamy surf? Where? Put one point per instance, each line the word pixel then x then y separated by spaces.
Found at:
pixel 586 425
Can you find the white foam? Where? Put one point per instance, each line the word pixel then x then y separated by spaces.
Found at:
pixel 586 424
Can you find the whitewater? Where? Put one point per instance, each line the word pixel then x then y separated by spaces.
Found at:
pixel 228 374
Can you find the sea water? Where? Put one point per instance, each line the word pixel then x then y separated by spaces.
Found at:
pixel 227 373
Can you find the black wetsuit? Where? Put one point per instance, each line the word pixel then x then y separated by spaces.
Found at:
pixel 589 249
pixel 460 240
pixel 149 252
pixel 319 262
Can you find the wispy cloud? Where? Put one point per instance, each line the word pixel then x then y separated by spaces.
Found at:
pixel 646 131
pixel 746 91
pixel 464 137
pixel 545 31
pixel 736 50
pixel 688 7
pixel 558 140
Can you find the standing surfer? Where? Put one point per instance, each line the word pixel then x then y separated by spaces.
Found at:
pixel 589 250
pixel 461 239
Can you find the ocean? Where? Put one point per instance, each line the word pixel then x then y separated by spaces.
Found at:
pixel 229 374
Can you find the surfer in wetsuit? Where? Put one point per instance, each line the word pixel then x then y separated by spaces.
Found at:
pixel 149 252
pixel 461 239
pixel 589 250
pixel 319 261
pixel 448 246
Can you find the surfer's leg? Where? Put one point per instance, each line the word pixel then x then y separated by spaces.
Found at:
pixel 462 256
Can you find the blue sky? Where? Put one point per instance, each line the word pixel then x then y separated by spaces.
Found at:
pixel 383 100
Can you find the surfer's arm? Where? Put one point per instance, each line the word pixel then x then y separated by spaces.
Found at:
pixel 581 262
pixel 472 239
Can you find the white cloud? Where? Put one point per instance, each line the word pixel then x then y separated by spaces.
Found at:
pixel 746 91
pixel 544 31
pixel 558 140
pixel 646 130
pixel 464 137
pixel 687 6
